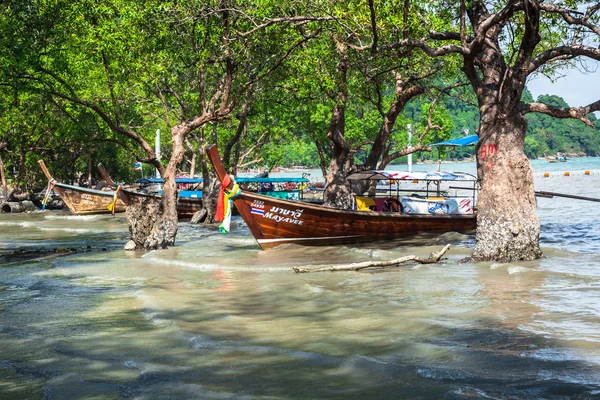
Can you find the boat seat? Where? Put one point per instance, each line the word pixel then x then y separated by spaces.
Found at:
pixel 364 203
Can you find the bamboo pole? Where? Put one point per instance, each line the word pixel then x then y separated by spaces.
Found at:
pixel 433 258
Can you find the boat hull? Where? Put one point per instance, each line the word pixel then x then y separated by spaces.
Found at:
pixel 82 201
pixel 274 222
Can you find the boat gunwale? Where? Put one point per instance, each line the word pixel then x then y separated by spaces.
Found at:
pixel 361 213
pixel 82 189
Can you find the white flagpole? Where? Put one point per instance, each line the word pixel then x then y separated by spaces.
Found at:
pixel 409 129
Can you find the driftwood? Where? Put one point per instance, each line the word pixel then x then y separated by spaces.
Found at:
pixel 17 207
pixel 433 258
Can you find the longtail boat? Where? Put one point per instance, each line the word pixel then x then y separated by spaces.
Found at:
pixel 190 201
pixel 275 221
pixel 83 201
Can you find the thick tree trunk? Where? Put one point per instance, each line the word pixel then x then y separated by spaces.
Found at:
pixel 508 226
pixel 210 192
pixel 141 219
pixel 337 191
pixel 154 226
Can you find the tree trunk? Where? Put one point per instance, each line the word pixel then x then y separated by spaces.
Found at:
pixel 193 165
pixel 157 224
pixel 508 226
pixel 166 226
pixel 210 191
pixel 337 188
pixel 21 174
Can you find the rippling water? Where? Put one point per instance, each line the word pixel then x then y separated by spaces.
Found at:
pixel 215 317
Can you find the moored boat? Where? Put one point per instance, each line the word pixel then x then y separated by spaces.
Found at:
pixel 190 201
pixel 83 201
pixel 275 221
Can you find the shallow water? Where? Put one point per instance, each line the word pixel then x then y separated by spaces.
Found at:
pixel 215 317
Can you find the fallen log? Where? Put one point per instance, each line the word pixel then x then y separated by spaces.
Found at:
pixel 18 206
pixel 433 258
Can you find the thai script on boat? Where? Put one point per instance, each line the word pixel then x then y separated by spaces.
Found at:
pixel 279 214
pixel 86 198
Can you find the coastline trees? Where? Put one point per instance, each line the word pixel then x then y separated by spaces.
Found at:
pixel 181 65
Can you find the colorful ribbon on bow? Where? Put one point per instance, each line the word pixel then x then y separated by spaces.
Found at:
pixel 225 203
pixel 112 207
pixel 51 184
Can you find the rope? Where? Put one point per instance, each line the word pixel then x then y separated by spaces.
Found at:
pixel 113 206
pixel 51 184
pixel 229 195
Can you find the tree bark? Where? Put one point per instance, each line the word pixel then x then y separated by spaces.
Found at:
pixel 21 173
pixel 210 191
pixel 166 225
pixel 508 227
pixel 337 188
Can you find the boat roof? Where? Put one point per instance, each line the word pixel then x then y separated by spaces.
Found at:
pixel 271 180
pixel 411 176
pixel 461 141
pixel 146 181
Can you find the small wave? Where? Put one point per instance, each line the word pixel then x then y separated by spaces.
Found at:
pixel 21 224
pixel 516 270
pixel 73 230
pixel 210 267
pixel 73 217
pixel 8 223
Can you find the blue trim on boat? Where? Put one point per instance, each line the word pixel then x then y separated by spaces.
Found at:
pixel 270 180
pixel 147 181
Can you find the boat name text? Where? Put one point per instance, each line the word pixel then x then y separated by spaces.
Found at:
pixel 279 214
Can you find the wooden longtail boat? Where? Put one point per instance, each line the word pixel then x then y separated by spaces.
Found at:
pixel 188 202
pixel 275 221
pixel 83 201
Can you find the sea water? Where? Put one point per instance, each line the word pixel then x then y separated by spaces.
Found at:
pixel 217 318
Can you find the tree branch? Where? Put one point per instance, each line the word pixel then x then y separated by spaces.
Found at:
pixel 567 15
pixel 562 53
pixel 579 113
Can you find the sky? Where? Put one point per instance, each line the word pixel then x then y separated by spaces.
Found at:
pixel 578 89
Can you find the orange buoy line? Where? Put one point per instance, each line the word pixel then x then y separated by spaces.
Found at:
pixel 586 172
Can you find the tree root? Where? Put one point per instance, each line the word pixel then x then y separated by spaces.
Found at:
pixel 433 258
